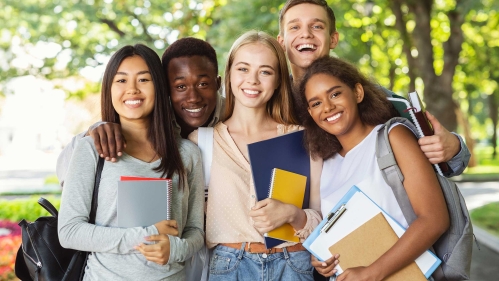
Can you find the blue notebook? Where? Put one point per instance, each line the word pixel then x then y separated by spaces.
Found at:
pixel 285 152
pixel 357 209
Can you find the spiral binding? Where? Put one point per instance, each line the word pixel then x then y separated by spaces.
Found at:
pixel 271 186
pixel 169 199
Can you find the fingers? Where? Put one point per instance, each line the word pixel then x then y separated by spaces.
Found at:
pixel 263 227
pixel 158 253
pixel 108 140
pixel 111 144
pixel 437 127
pixel 120 142
pixel 95 134
pixel 101 140
pixel 167 227
pixel 261 204
pixel 115 140
pixel 326 268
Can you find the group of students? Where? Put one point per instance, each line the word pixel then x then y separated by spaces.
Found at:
pixel 150 107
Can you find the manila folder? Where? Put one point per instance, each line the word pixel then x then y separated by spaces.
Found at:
pixel 367 243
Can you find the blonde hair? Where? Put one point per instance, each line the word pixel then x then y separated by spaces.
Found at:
pixel 280 105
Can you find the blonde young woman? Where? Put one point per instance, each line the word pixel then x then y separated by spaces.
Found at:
pixel 258 107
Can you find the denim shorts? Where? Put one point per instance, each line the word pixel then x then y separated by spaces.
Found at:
pixel 228 264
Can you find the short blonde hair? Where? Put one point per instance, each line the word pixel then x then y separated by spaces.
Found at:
pixel 280 105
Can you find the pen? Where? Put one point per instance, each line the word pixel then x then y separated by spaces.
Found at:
pixel 332 218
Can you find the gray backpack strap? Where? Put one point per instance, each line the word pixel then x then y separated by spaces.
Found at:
pixel 205 143
pixel 389 168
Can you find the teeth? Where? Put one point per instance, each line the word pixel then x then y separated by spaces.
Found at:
pixel 193 110
pixel 250 92
pixel 334 117
pixel 306 46
pixel 132 102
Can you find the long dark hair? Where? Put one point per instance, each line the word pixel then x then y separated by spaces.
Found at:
pixel 374 109
pixel 161 133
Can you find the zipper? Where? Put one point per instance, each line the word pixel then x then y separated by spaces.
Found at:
pixel 38 264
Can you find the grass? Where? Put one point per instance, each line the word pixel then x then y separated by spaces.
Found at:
pixel 485 163
pixel 487 217
pixel 487 168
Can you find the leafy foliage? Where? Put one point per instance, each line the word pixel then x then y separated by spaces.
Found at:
pixel 28 209
pixel 59 39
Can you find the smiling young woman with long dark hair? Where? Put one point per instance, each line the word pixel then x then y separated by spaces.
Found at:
pixel 134 94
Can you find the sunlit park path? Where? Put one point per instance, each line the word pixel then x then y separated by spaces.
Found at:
pixel 26 173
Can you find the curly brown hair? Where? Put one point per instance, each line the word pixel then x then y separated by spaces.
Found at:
pixel 374 109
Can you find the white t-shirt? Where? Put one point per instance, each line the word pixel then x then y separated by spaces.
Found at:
pixel 359 167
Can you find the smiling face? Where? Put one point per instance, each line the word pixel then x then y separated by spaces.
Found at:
pixel 194 83
pixel 306 35
pixel 132 90
pixel 332 104
pixel 254 75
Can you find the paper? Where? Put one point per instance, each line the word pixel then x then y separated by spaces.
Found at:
pixel 367 243
pixel 360 209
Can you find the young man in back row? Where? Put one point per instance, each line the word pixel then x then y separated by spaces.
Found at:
pixel 307 31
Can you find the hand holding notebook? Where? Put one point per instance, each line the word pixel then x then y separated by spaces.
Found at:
pixel 285 152
pixel 414 111
pixel 289 188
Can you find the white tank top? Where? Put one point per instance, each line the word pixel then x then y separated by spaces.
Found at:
pixel 359 167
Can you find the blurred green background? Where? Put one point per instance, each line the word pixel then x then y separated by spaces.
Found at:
pixel 447 50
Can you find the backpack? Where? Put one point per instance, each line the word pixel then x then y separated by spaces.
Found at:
pixel 455 245
pixel 41 256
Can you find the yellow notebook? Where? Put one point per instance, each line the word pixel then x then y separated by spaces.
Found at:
pixel 289 188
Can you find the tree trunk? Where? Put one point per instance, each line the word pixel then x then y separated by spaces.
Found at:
pixel 407 46
pixel 470 143
pixel 438 89
pixel 493 114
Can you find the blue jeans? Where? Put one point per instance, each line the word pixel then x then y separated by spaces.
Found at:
pixel 228 264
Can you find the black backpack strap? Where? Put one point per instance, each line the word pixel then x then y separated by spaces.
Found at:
pixel 390 169
pixel 48 206
pixel 98 172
